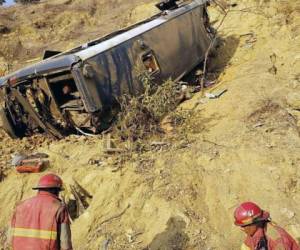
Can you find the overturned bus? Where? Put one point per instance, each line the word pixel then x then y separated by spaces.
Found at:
pixel 78 89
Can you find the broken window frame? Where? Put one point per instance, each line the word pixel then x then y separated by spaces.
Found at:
pixel 154 60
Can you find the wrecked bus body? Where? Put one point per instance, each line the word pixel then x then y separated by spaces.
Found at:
pixel 79 89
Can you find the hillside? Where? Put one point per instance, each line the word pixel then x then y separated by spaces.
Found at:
pixel 26 31
pixel 180 191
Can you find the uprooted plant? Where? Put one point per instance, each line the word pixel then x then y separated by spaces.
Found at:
pixel 140 116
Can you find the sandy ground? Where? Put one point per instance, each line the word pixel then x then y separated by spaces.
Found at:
pixel 243 146
pixel 26 31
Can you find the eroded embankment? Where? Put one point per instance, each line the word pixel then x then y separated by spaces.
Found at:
pixel 243 146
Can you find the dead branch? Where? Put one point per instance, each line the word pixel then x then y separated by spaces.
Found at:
pixel 253 10
pixel 221 4
pixel 212 43
pixel 107 220
pixel 112 218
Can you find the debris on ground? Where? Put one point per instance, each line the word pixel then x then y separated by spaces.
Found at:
pixel 33 163
pixel 81 200
pixel 109 146
pixel 249 40
pixel 216 94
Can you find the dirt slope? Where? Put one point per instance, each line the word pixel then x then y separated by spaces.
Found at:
pixel 26 31
pixel 243 146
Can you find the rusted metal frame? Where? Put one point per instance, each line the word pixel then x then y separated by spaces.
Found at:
pixel 79 204
pixel 6 124
pixel 61 78
pixel 44 85
pixel 43 68
pixel 80 84
pixel 8 108
pixel 46 126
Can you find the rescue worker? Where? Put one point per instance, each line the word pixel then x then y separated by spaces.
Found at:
pixel 262 233
pixel 42 222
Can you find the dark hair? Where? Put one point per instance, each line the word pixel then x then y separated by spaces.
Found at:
pixel 54 191
pixel 262 224
pixel 259 223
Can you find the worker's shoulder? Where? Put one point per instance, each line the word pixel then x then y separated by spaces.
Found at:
pixel 275 231
pixel 26 201
pixel 283 240
pixel 57 202
pixel 42 199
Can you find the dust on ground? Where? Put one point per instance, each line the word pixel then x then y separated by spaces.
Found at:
pixel 26 31
pixel 180 191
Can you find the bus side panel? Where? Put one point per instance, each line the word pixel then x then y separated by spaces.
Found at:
pixel 178 45
pixel 114 75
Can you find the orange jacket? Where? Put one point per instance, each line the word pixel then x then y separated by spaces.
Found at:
pixel 37 224
pixel 277 238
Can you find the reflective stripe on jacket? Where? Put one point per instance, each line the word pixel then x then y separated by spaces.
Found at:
pixel 34 233
pixel 35 223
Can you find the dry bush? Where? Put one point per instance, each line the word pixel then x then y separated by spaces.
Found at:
pixel 140 116
pixel 164 100
pixel 135 121
pixel 271 116
pixel 265 108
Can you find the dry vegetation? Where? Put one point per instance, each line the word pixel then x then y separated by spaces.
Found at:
pixel 140 117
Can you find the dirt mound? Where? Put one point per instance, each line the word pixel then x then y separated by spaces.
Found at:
pixel 179 192
pixel 63 25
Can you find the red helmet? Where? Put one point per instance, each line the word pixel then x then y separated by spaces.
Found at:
pixel 248 213
pixel 50 181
